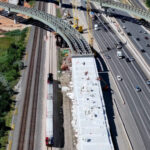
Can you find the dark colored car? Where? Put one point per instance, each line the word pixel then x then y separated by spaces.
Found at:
pixel 129 34
pixel 142 50
pixel 108 57
pixel 146 38
pixel 148 45
pixel 127 60
pixel 138 39
pixel 108 48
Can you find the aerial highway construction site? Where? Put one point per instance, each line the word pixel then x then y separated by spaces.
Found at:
pixel 74 75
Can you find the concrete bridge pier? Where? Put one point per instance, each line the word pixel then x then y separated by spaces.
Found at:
pixel 15 19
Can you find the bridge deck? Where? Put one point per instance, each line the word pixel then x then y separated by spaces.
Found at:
pixel 89 114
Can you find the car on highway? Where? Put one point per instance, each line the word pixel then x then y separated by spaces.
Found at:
pixel 95 27
pixel 129 34
pixel 108 48
pixel 119 78
pixel 124 27
pixel 108 57
pixel 148 45
pixel 142 50
pixel 127 60
pixel 132 59
pixel 138 89
pixel 146 38
pixel 119 46
pixel 148 82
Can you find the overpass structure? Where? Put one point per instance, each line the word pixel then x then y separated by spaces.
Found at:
pixel 73 38
pixel 124 7
pixel 79 45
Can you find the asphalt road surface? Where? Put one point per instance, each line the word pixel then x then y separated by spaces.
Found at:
pixel 132 75
pixel 138 35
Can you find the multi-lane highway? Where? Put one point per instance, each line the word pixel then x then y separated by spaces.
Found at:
pixel 137 3
pixel 137 34
pixel 135 31
pixel 132 76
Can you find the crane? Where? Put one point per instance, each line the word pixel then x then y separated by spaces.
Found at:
pixel 90 26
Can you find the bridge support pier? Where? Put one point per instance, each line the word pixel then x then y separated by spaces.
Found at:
pixel 15 19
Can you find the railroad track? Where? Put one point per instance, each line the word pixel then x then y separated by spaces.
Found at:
pixel 51 54
pixel 51 46
pixel 21 140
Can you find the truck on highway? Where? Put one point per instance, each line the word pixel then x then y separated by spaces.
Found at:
pixel 119 54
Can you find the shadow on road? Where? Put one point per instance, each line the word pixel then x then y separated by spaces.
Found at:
pixel 107 94
pixel 58 130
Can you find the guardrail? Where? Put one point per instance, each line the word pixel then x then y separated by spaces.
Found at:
pixel 74 39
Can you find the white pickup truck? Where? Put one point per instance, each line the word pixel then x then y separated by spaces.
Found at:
pixel 119 54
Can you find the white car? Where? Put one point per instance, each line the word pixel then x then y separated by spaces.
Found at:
pixel 119 46
pixel 124 27
pixel 119 78
pixel 96 27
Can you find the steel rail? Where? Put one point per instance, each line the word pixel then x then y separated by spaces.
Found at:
pixel 35 96
pixel 27 95
pixel 36 88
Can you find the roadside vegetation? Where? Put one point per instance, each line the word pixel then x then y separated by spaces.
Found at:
pixel 31 2
pixel 148 3
pixel 58 13
pixel 12 48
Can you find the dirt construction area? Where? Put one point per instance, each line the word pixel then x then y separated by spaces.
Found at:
pixel 8 24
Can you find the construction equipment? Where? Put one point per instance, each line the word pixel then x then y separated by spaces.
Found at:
pixel 90 26
pixel 75 18
pixel 67 15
